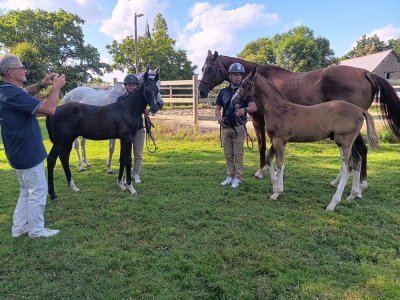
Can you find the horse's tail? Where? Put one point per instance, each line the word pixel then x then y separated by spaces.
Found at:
pixel 372 137
pixel 389 103
pixel 49 130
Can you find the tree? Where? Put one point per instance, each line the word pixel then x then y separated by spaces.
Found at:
pixel 50 41
pixel 297 50
pixel 395 45
pixel 365 46
pixel 155 49
pixel 259 51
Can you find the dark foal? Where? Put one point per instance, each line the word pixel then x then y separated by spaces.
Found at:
pixel 113 121
pixel 357 86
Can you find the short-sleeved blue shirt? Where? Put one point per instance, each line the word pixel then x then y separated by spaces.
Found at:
pixel 228 111
pixel 20 130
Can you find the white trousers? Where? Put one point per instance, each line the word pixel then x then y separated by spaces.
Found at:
pixel 28 215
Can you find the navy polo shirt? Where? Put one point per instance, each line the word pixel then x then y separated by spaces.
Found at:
pixel 228 112
pixel 20 130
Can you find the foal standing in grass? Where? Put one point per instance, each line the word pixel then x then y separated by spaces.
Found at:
pixel 289 122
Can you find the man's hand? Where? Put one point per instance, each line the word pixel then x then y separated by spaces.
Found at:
pixel 58 80
pixel 48 79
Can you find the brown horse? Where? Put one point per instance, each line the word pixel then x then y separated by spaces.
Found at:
pixel 290 122
pixel 357 86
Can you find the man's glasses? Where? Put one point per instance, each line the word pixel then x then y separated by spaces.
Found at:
pixel 19 68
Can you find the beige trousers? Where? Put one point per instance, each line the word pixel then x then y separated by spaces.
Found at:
pixel 138 142
pixel 232 141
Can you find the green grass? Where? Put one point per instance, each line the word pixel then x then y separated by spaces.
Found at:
pixel 186 237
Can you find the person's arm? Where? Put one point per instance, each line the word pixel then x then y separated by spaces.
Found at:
pixel 34 89
pixel 48 107
pixel 218 114
pixel 251 108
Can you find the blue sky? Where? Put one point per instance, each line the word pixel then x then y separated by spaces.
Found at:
pixel 227 26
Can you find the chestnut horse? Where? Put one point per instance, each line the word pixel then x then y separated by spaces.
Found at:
pixel 290 122
pixel 112 121
pixel 357 86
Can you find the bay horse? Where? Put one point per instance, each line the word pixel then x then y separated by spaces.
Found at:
pixel 116 120
pixel 88 95
pixel 289 122
pixel 357 86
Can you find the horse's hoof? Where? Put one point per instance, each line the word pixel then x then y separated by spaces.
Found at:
pixel 110 172
pixel 274 196
pixel 258 175
pixel 131 189
pixel 81 170
pixel 363 185
pixel 53 196
pixel 334 184
pixel 329 209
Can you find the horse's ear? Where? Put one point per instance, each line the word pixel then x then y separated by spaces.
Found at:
pixel 147 68
pixel 209 53
pixel 215 54
pixel 254 71
pixel 157 70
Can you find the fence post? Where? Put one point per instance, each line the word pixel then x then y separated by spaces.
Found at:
pixel 115 81
pixel 195 104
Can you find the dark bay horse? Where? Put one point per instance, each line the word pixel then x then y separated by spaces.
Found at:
pixel 357 86
pixel 112 121
pixel 290 122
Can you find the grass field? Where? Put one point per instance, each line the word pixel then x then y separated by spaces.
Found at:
pixel 186 237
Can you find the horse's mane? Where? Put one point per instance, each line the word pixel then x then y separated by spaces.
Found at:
pixel 266 69
pixel 273 86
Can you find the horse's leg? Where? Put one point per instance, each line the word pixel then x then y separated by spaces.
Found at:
pixel 83 147
pixel 120 181
pixel 345 173
pixel 356 166
pixel 269 165
pixel 127 153
pixel 111 148
pixel 259 128
pixel 64 157
pixel 279 149
pixel 51 162
pixel 76 147
pixel 363 151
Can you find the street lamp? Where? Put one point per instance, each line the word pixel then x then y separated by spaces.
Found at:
pixel 136 50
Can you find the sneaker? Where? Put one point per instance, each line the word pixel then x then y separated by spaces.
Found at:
pixel 235 183
pixel 137 178
pixel 18 234
pixel 46 232
pixel 227 181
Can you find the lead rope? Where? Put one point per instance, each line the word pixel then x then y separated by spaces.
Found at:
pixel 240 121
pixel 150 140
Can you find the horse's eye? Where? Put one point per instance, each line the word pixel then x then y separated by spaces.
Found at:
pixel 209 71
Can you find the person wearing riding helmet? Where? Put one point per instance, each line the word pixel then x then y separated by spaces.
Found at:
pixel 232 122
pixel 131 83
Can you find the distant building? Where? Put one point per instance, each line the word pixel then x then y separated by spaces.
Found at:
pixel 385 64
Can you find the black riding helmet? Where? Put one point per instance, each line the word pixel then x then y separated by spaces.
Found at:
pixel 130 78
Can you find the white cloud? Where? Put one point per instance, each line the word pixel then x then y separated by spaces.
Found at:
pixel 386 33
pixel 89 10
pixel 214 27
pixel 121 23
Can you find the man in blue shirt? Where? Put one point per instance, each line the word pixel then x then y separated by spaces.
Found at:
pixel 23 142
pixel 232 120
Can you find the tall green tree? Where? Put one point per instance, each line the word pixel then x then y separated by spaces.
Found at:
pixel 395 45
pixel 259 51
pixel 297 50
pixel 156 49
pixel 50 41
pixel 365 46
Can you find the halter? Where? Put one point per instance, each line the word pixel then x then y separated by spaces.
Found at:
pixel 217 67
